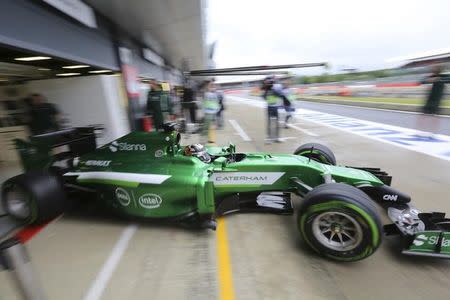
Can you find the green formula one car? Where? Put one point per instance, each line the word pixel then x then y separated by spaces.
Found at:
pixel 150 175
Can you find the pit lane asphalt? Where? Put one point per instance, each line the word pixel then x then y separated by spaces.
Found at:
pixel 397 118
pixel 383 116
pixel 268 259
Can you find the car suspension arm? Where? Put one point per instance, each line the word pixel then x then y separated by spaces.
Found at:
pixel 302 188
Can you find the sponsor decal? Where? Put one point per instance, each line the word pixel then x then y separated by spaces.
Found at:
pixel 97 163
pixel 427 241
pixel 445 244
pixel 388 197
pixel 150 201
pixel 159 153
pixel 116 146
pixel 245 178
pixel 113 147
pixel 123 196
pixel 421 239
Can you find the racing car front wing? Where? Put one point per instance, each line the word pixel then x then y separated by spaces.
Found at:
pixel 424 234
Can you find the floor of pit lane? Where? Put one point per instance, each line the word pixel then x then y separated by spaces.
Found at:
pixel 397 118
pixel 407 119
pixel 267 258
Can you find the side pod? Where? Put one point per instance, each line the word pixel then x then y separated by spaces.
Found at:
pixel 265 202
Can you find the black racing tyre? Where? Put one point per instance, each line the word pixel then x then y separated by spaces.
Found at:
pixel 340 222
pixel 317 152
pixel 34 197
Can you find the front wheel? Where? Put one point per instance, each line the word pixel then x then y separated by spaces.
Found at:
pixel 317 152
pixel 340 222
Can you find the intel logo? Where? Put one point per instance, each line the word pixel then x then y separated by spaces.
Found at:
pixel 150 201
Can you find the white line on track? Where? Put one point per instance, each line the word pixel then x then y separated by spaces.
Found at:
pixel 407 138
pixel 302 130
pixel 288 138
pixel 239 130
pixel 99 285
pixel 375 108
pixel 406 134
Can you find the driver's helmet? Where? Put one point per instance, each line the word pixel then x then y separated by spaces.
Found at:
pixel 199 151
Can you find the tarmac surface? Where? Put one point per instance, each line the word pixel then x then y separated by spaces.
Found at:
pixel 408 119
pixel 397 118
pixel 250 256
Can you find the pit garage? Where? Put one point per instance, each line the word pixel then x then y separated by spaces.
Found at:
pixel 71 62
pixel 93 65
pixel 82 94
pixel 87 62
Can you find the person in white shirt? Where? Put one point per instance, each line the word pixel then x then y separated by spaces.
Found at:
pixel 210 108
pixel 288 102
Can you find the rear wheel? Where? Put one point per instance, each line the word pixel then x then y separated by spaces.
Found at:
pixel 317 152
pixel 340 222
pixel 34 197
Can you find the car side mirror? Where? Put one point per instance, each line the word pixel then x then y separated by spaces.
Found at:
pixel 232 148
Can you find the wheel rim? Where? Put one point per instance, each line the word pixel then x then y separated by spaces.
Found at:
pixel 337 231
pixel 17 204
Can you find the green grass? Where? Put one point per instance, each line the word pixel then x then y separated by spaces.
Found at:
pixel 411 101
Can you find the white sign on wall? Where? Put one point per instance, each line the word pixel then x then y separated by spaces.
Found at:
pixel 77 10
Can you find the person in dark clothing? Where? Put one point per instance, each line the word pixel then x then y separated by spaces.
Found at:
pixel 154 104
pixel 188 103
pixel 437 80
pixel 272 94
pixel 44 116
pixel 159 105
pixel 433 101
pixel 219 116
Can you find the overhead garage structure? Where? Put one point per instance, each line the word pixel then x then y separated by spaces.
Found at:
pixel 34 27
pixel 71 52
pixel 173 27
pixel 165 36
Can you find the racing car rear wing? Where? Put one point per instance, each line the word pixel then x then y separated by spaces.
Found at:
pixel 42 151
